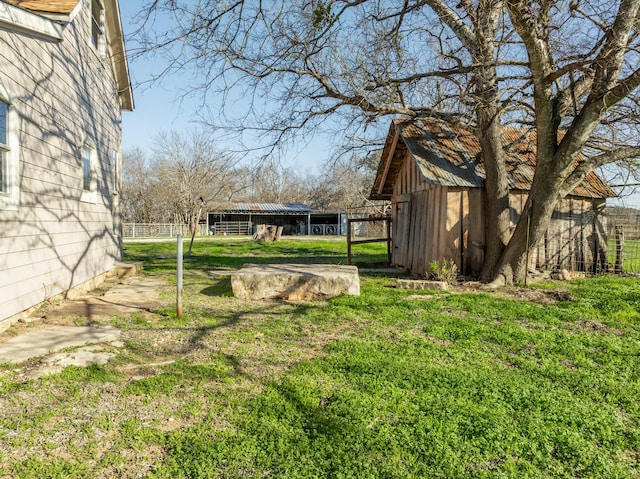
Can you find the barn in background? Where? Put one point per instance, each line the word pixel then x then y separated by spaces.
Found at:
pixel 434 177
pixel 296 219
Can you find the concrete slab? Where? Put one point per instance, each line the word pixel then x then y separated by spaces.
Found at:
pixel 44 341
pixel 295 282
pixel 56 363
pixel 138 295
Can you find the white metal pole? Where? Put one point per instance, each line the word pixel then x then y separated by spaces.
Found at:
pixel 179 278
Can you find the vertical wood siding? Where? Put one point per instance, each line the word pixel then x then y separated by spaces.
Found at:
pixel 65 94
pixel 432 223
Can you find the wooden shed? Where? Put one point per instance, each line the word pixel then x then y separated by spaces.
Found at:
pixel 434 177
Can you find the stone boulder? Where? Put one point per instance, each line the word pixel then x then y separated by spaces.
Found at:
pixel 294 282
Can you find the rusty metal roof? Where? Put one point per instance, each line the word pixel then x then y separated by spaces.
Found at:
pixel 450 156
pixel 47 6
pixel 268 208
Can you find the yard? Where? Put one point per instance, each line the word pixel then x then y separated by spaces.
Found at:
pixel 538 382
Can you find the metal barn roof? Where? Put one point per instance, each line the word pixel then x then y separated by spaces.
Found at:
pixel 450 156
pixel 267 208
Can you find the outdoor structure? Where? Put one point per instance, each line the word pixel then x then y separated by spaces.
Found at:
pixel 64 81
pixel 433 175
pixel 296 219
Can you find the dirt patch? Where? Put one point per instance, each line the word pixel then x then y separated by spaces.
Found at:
pixel 134 295
pixel 533 295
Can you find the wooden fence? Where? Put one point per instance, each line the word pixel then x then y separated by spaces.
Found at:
pixel 232 228
pixel 354 229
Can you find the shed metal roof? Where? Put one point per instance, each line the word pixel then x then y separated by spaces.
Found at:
pixel 450 156
pixel 267 208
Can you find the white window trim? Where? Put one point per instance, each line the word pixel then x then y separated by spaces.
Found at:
pixel 10 199
pixel 100 46
pixel 90 195
pixel 115 172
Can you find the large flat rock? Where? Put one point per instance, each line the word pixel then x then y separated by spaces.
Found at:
pixel 295 282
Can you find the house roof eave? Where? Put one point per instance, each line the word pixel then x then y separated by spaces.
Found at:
pixel 17 19
pixel 119 54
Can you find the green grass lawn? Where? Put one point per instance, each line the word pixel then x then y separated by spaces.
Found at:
pixel 384 385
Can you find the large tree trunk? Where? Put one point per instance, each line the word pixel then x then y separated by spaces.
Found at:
pixel 534 221
pixel 489 133
pixel 496 199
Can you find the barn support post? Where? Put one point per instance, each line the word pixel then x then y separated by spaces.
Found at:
pixel 308 224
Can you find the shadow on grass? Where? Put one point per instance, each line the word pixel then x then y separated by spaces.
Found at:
pixel 160 257
pixel 192 337
pixel 221 288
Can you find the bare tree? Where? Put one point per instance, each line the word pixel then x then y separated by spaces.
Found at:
pixel 139 189
pixel 273 183
pixel 193 173
pixel 568 69
pixel 345 183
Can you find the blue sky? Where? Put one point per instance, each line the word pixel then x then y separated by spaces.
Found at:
pixel 158 109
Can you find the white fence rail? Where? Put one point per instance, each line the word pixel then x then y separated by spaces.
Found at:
pixel 150 230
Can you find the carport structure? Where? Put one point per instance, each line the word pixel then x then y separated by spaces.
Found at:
pixel 242 218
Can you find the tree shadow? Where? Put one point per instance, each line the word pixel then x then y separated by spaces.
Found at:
pixel 221 288
pixel 55 240
pixel 198 338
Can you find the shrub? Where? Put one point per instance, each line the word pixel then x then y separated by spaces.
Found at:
pixel 443 270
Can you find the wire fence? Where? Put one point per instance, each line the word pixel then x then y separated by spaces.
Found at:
pixel 622 233
pixel 623 241
pixel 366 228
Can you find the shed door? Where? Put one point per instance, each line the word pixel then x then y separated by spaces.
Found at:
pixel 402 211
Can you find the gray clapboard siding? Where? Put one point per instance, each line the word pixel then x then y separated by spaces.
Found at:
pixel 65 94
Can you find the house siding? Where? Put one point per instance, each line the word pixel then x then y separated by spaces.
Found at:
pixel 65 95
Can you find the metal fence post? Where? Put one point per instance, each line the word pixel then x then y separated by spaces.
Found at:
pixel 179 278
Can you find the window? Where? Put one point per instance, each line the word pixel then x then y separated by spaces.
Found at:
pixel 89 180
pixel 97 26
pixel 9 180
pixel 86 168
pixel 4 148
